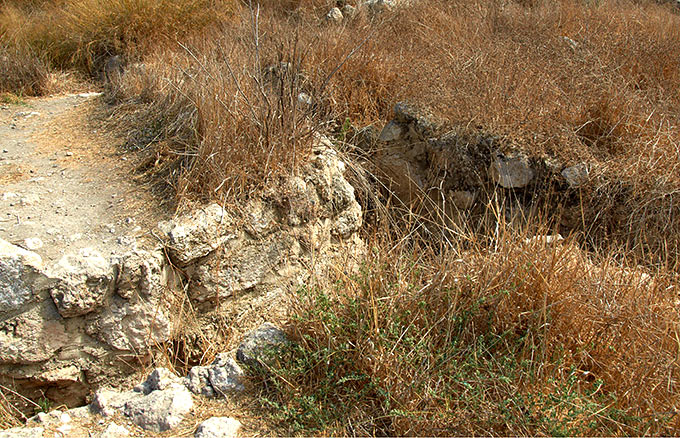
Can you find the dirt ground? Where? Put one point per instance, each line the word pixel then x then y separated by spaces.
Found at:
pixel 65 184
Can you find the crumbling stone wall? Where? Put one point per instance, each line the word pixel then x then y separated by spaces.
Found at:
pixel 68 328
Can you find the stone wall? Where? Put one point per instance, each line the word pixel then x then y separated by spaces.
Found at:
pixel 68 328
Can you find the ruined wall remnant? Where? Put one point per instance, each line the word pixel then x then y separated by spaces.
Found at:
pixel 67 328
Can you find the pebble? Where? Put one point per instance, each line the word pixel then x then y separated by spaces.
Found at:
pixel 29 199
pixel 88 95
pixel 33 243
pixel 304 99
pixel 391 132
pixel 27 114
pixel 9 196
pixel 334 15
pixel 125 240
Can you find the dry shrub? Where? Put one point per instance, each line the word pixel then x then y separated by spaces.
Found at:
pixel 223 121
pixel 21 72
pixel 577 82
pixel 567 80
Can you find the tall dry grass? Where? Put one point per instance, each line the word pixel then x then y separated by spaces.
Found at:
pixel 497 335
pixel 567 81
pixel 218 120
pixel 516 337
pixel 593 82
pixel 82 34
pixel 21 72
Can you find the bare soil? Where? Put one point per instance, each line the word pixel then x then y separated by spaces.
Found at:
pixel 66 181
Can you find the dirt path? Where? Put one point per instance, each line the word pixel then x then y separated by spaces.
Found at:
pixel 64 183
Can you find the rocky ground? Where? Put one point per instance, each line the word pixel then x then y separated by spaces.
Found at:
pixel 94 284
pixel 203 404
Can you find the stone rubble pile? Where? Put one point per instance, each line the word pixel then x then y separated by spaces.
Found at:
pixel 458 169
pixel 163 400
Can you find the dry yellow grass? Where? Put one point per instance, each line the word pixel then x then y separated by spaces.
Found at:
pixel 21 72
pixel 84 33
pixel 496 336
pixel 515 337
pixel 568 81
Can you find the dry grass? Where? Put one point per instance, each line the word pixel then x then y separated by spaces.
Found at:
pixel 84 33
pixel 513 338
pixel 493 335
pixel 567 81
pixel 8 414
pixel 21 72
pixel 227 106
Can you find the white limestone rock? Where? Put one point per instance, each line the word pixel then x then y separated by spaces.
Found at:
pixel 261 345
pixel 348 221
pixel 108 402
pixel 20 270
pixel 393 131
pixel 378 6
pixel 83 282
pixel 32 336
pixel 160 410
pixel 132 325
pixel 577 175
pixel 142 272
pixel 158 380
pixel 33 243
pixel 222 378
pixel 198 234
pixel 218 427
pixel 334 16
pixel 225 375
pixel 198 381
pixel 238 269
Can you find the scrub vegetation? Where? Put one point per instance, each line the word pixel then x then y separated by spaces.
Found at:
pixel 494 332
